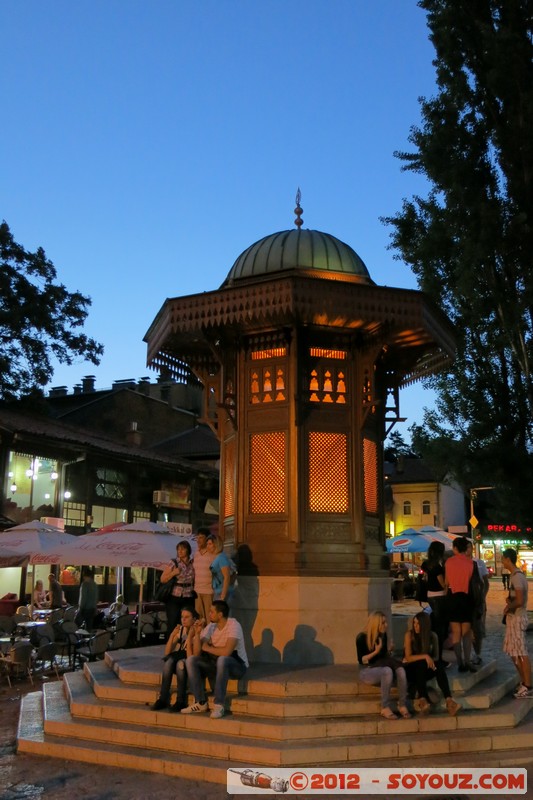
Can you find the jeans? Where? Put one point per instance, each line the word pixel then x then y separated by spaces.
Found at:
pixel 173 667
pixel 221 670
pixel 418 673
pixel 384 677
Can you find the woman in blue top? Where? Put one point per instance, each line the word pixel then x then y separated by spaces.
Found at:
pixel 221 568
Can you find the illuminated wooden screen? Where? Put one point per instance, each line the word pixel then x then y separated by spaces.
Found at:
pixel 326 378
pixel 370 468
pixel 267 473
pixel 229 479
pixel 328 472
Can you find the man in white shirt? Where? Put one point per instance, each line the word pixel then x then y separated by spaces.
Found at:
pixel 223 656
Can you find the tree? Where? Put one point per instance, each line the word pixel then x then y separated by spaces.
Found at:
pixel 470 240
pixel 39 320
pixel 395 445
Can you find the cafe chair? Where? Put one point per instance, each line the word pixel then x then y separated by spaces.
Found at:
pixel 70 612
pixel 47 652
pixel 94 647
pixel 18 661
pixel 7 625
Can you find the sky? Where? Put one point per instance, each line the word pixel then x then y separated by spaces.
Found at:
pixel 145 145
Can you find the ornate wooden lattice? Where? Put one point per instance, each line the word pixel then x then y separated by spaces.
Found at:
pixel 370 470
pixel 328 473
pixel 267 489
pixel 229 479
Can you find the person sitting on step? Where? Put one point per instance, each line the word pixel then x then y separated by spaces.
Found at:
pixel 183 641
pixel 222 656
pixel 378 668
pixel 421 649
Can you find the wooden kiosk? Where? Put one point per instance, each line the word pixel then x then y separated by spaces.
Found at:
pixel 302 357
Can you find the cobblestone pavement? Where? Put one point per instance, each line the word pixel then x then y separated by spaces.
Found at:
pixel 26 777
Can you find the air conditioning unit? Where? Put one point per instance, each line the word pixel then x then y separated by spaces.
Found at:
pixel 161 498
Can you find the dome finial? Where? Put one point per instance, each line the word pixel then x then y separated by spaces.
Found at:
pixel 298 211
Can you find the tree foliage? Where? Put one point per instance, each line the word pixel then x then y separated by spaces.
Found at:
pixel 39 320
pixel 470 240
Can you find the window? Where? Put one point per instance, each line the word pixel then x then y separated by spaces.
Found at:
pixel 426 507
pixel 111 484
pixel 407 508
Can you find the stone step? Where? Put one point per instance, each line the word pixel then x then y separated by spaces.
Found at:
pixel 490 692
pixel 136 746
pixel 83 703
pixel 33 739
pixel 277 680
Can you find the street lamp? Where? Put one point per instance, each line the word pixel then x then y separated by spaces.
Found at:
pixel 473 519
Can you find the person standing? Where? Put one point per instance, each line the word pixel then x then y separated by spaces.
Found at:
pixel 506 574
pixel 458 571
pixel 88 601
pixel 221 568
pixel 181 572
pixel 203 586
pixel 223 656
pixel 433 566
pixel 516 622
pixel 479 615
pixel 55 592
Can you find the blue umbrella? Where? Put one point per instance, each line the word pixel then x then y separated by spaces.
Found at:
pixel 418 541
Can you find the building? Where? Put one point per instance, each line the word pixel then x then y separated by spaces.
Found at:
pixel 302 358
pixel 415 496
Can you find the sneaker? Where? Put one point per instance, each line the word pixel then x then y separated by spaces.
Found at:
pixel 196 708
pixel 159 704
pixel 217 712
pixel 176 708
pixel 476 661
pixel 470 667
pixel 523 692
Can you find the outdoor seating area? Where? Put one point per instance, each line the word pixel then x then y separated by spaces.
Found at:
pixel 52 642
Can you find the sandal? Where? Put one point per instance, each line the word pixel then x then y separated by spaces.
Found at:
pixel 452 707
pixel 422 706
pixel 404 712
pixel 388 713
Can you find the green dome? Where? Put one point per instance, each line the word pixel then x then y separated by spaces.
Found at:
pixel 301 250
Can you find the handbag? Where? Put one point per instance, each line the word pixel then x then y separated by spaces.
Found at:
pixel 163 591
pixel 388 661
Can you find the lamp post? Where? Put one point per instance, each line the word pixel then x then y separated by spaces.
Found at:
pixel 473 519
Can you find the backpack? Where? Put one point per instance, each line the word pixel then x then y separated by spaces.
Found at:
pixel 421 591
pixel 476 589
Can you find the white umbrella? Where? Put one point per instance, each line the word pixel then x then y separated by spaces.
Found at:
pixel 141 544
pixel 34 543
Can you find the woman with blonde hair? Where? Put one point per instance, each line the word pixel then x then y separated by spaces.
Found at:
pixel 378 668
pixel 39 596
pixel 221 568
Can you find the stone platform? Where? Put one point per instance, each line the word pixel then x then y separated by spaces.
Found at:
pixel 277 716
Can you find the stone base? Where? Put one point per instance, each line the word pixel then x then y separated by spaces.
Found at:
pixel 301 621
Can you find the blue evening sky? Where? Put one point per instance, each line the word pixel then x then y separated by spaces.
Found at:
pixel 145 145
